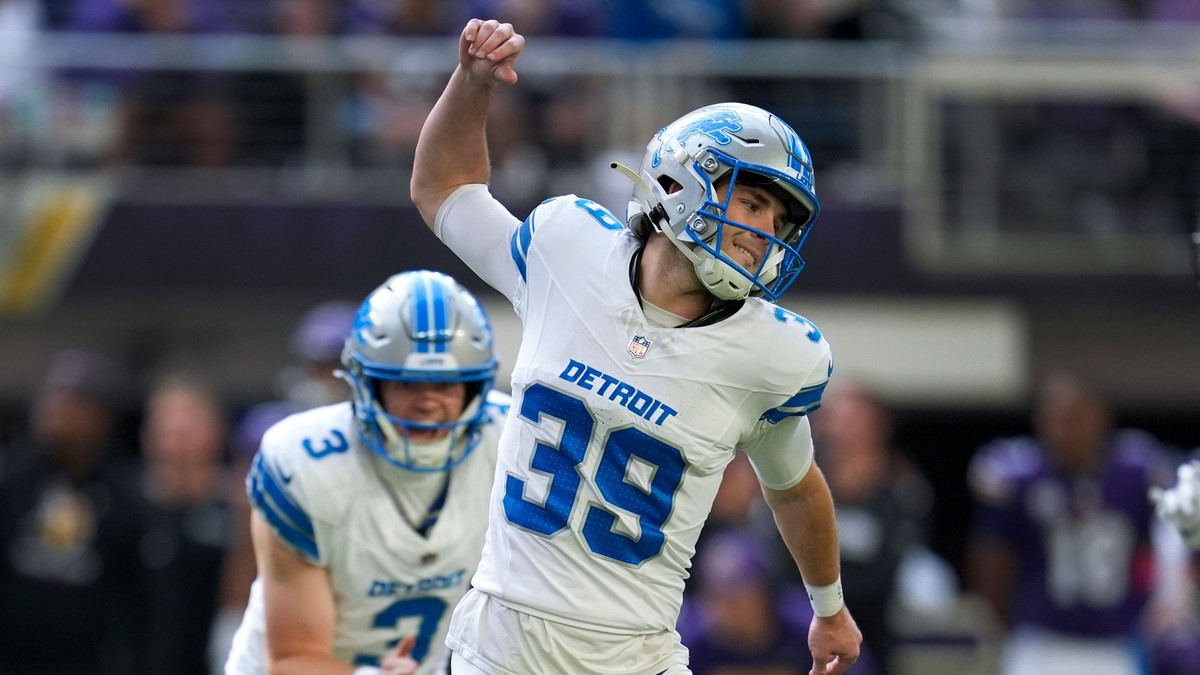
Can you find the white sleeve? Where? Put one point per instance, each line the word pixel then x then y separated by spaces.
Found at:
pixel 479 230
pixel 781 453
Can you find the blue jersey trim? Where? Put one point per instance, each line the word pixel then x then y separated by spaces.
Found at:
pixel 288 520
pixel 520 244
pixel 803 403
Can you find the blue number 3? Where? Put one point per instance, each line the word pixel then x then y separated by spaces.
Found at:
pixel 428 610
pixel 621 448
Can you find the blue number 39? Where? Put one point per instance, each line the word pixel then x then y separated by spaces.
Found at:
pixel 561 463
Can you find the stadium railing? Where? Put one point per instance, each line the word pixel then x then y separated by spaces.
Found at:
pixel 1010 147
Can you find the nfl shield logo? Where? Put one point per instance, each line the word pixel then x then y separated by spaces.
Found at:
pixel 638 346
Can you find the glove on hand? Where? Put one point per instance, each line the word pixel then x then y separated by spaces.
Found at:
pixel 1180 505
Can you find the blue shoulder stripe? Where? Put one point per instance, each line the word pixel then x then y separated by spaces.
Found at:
pixel 520 243
pixel 286 517
pixel 803 403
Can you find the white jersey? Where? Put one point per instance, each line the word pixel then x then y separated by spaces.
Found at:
pixel 324 495
pixel 620 430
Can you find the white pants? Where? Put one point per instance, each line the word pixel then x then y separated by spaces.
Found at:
pixel 1039 652
pixel 461 666
pixel 489 638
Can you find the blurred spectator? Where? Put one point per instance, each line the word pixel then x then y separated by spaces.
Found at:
pixel 519 163
pixel 314 353
pixel 1178 652
pixel 1173 625
pixel 384 117
pixel 575 18
pixel 18 28
pixel 569 116
pixel 19 21
pixel 185 479
pixel 240 568
pixel 738 622
pixel 72 598
pixel 403 17
pixel 56 14
pixel 1061 544
pixel 902 20
pixel 1080 9
pixel 883 504
pixel 1185 11
pixel 279 109
pixel 738 498
pixel 168 117
pixel 676 19
pixel 737 507
pixel 439 18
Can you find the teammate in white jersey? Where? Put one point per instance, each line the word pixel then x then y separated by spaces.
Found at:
pixel 369 515
pixel 650 352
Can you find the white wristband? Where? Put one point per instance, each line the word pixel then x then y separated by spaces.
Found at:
pixel 826 600
pixel 366 670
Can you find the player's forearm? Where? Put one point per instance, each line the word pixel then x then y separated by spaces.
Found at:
pixel 452 147
pixel 805 517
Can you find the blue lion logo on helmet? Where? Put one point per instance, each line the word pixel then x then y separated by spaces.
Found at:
pixel 363 322
pixel 798 159
pixel 717 125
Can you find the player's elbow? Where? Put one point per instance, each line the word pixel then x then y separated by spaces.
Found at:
pixel 425 199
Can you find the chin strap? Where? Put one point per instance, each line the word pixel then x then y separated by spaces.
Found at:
pixel 416 453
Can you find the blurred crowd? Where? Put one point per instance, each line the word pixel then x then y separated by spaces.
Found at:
pixel 286 117
pixel 1090 165
pixel 124 534
pixel 124 520
pixel 123 517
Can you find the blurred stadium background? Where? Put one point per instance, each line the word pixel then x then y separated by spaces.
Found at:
pixel 1005 189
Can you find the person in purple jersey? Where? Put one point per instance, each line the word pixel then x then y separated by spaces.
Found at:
pixel 1061 540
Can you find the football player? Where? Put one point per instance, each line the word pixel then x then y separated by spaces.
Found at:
pixel 369 515
pixel 650 353
pixel 1061 546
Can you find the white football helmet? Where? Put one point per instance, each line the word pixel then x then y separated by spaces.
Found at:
pixel 674 193
pixel 419 326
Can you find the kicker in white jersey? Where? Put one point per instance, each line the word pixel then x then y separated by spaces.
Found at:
pixel 620 430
